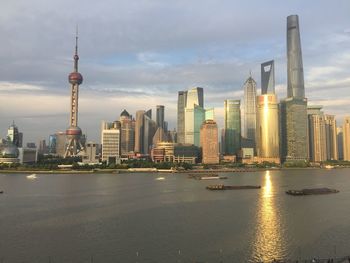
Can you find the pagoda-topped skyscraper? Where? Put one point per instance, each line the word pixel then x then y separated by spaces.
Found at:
pixel 74 133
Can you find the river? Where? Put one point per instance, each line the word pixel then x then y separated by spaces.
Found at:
pixel 137 218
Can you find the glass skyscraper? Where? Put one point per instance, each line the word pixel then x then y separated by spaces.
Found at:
pixel 294 130
pixel 181 104
pixel 160 116
pixel 194 115
pixel 268 77
pixel 250 109
pixel 232 126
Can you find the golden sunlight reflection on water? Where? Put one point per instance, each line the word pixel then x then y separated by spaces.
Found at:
pixel 268 243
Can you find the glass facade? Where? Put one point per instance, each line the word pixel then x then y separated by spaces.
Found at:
pixel 267 126
pixel 181 104
pixel 232 126
pixel 268 77
pixel 250 109
pixel 294 59
pixel 294 133
pixel 160 116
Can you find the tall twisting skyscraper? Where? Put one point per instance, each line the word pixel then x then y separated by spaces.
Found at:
pixel 294 59
pixel 250 109
pixel 294 120
pixel 74 134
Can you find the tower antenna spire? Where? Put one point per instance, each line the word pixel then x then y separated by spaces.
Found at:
pixel 76 57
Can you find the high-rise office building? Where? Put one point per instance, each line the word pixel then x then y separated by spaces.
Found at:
pixel 127 136
pixel 145 128
pixel 331 137
pixel 194 115
pixel 14 136
pixel 52 144
pixel 42 147
pixel 110 141
pixel 346 139
pixel 232 126
pixel 294 60
pixel 209 142
pixel 73 132
pixel 61 139
pixel 317 134
pixel 250 109
pixel 139 131
pixel 294 133
pixel 268 77
pixel 340 143
pixel 160 116
pixel 267 143
pixel 181 105
pixel 195 96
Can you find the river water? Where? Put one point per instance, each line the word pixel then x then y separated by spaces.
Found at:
pixel 137 218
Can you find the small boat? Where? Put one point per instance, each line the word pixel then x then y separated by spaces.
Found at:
pixel 232 187
pixel 329 166
pixel 212 177
pixel 32 176
pixel 160 178
pixel 312 191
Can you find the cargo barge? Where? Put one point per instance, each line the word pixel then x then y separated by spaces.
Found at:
pixel 312 191
pixel 232 187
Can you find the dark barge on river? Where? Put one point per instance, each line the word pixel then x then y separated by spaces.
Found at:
pixel 232 187
pixel 312 191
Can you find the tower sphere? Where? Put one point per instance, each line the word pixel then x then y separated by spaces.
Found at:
pixel 75 78
pixel 73 131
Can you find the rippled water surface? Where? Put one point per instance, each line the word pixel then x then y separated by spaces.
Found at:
pixel 136 218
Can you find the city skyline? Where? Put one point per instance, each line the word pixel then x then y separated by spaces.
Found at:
pixel 33 85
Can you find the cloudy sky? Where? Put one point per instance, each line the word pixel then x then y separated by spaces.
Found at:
pixel 137 54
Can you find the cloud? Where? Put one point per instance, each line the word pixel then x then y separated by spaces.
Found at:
pixel 138 55
pixel 16 86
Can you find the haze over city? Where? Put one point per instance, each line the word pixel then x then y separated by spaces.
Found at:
pixel 135 56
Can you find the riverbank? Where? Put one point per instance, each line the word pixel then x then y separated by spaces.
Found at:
pixel 118 171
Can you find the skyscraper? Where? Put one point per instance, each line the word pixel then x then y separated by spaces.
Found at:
pixel 209 142
pixel 181 104
pixel 74 134
pixel 232 126
pixel 14 136
pixel 139 131
pixel 195 96
pixel 127 136
pixel 294 134
pixel 250 109
pixel 346 139
pixel 268 77
pixel 110 140
pixel 160 116
pixel 145 128
pixel 340 143
pixel 267 142
pixel 317 134
pixel 294 60
pixel 331 137
pixel 194 115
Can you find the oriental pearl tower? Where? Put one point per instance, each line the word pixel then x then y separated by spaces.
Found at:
pixel 74 134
